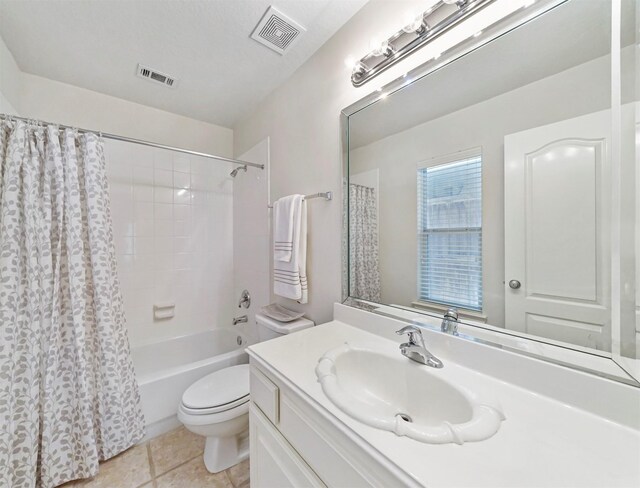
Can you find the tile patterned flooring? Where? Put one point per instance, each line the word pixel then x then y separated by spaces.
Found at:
pixel 173 460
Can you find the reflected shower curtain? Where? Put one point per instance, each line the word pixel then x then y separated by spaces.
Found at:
pixel 364 273
pixel 68 394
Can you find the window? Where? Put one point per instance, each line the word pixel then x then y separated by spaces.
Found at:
pixel 450 231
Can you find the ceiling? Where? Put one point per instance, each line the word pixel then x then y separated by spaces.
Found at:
pixel 570 35
pixel 222 73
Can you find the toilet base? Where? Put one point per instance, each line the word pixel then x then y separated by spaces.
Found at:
pixel 221 453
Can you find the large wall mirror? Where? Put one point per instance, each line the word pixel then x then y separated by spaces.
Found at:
pixel 503 184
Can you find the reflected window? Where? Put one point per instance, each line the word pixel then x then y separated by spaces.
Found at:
pixel 450 231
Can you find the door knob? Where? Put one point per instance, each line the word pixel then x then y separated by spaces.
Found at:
pixel 514 284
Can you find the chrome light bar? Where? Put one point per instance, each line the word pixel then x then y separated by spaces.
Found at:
pixel 426 27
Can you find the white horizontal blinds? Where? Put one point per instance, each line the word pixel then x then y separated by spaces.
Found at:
pixel 450 233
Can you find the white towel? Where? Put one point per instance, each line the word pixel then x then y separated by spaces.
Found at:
pixel 283 227
pixel 290 278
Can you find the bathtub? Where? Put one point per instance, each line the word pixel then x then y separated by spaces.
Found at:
pixel 165 369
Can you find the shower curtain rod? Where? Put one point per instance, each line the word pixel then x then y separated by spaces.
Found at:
pixel 138 141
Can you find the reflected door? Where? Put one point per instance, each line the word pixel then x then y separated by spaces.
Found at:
pixel 557 213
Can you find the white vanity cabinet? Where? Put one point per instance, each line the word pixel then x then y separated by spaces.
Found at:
pixel 274 462
pixel 300 438
pixel 294 445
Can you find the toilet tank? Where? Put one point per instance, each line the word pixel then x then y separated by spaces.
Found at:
pixel 269 328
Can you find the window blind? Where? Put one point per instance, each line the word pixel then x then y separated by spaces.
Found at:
pixel 450 233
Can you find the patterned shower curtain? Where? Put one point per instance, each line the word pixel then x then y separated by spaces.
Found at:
pixel 68 394
pixel 364 272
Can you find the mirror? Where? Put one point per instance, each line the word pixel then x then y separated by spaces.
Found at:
pixel 489 186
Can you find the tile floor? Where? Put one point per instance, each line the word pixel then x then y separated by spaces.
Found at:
pixel 173 460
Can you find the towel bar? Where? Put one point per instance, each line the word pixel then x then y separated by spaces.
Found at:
pixel 327 195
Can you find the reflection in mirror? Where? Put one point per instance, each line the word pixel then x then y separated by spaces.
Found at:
pixel 486 186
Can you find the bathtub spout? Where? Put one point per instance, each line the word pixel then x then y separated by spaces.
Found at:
pixel 240 320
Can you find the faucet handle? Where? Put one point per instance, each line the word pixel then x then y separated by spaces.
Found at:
pixel 451 314
pixel 415 335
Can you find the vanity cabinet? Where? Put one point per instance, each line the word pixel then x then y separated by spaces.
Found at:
pixel 274 463
pixel 293 443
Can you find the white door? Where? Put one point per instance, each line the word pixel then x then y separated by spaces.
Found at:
pixel 557 213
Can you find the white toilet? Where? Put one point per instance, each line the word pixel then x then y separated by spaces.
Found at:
pixel 217 406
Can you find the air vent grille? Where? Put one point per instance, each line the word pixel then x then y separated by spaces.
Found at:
pixel 277 31
pixel 156 76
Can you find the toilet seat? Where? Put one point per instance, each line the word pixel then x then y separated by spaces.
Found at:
pixel 216 409
pixel 217 392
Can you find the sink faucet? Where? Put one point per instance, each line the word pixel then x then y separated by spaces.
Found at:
pixel 240 320
pixel 415 348
pixel 450 322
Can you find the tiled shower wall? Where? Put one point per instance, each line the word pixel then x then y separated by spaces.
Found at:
pixel 173 228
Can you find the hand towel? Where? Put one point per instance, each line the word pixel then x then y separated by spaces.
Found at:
pixel 290 278
pixel 283 227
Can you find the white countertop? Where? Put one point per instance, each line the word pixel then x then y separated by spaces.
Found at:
pixel 543 442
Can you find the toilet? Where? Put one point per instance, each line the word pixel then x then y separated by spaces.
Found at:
pixel 217 406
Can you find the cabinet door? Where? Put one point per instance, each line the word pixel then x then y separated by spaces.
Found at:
pixel 274 463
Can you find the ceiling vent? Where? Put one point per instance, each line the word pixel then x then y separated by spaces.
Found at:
pixel 277 31
pixel 156 76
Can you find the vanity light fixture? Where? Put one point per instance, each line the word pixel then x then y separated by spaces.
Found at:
pixel 417 32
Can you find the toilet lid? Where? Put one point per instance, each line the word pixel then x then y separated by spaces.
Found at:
pixel 221 388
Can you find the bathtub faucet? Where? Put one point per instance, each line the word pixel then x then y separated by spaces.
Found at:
pixel 240 320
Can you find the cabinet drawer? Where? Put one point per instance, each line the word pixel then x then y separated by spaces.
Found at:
pixel 265 394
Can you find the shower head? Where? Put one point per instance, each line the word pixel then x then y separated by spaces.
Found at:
pixel 235 171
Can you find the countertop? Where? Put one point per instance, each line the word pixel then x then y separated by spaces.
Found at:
pixel 543 442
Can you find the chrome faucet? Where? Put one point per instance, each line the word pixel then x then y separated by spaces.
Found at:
pixel 240 320
pixel 450 322
pixel 415 348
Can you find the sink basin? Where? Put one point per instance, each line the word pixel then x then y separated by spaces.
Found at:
pixel 393 393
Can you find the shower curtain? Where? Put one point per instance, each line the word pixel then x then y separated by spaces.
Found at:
pixel 68 394
pixel 364 273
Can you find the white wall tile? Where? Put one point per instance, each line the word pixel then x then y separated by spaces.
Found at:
pixel 181 196
pixel 162 178
pixel 182 261
pixel 181 180
pixel 143 245
pixel 166 250
pixel 163 211
pixel 162 159
pixel 163 228
pixel 181 212
pixel 142 193
pixel 181 163
pixel 163 194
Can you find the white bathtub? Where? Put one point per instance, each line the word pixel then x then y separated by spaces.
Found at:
pixel 165 370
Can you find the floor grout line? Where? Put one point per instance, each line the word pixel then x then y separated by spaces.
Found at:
pixel 178 465
pixel 152 466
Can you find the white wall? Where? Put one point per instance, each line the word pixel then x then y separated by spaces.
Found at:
pixel 251 236
pixel 576 91
pixel 44 99
pixel 9 81
pixel 173 229
pixel 302 120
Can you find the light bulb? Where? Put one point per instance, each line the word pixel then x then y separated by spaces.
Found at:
pixel 378 48
pixel 412 22
pixel 350 63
